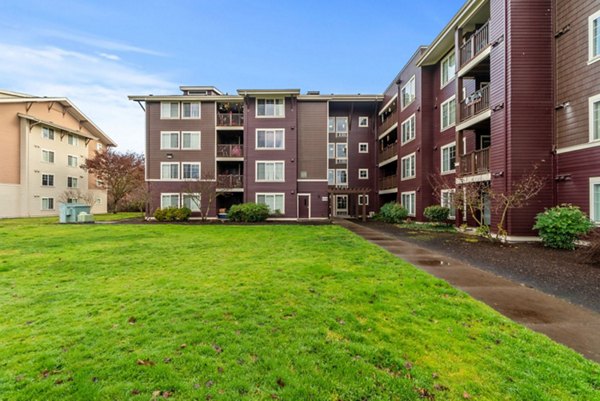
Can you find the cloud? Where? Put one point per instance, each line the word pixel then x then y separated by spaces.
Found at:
pixel 96 84
pixel 113 57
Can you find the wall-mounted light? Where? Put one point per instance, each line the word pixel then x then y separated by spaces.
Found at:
pixel 563 105
pixel 498 174
pixel 565 177
pixel 169 155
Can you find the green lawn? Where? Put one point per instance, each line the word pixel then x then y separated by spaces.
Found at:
pixel 214 312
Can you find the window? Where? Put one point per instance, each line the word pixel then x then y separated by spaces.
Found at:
pixel 72 140
pixel 341 150
pixel 447 200
pixel 594 37
pixel 448 110
pixel 331 176
pixel 71 182
pixel 47 180
pixel 408 129
pixel 270 139
pixel 363 121
pixel 190 110
pixel 72 161
pixel 191 201
pixel 47 156
pixel 595 199
pixel 408 201
pixel 47 133
pixel 169 171
pixel 448 158
pixel 408 167
pixel 363 173
pixel 270 171
pixel 169 140
pixel 99 147
pixel 331 150
pixel 99 183
pixel 47 203
pixel 341 177
pixel 363 147
pixel 363 198
pixel 270 107
pixel 341 125
pixel 275 202
pixel 448 68
pixel 331 125
pixel 169 110
pixel 72 200
pixel 189 140
pixel 408 92
pixel 595 118
pixel 169 200
pixel 190 171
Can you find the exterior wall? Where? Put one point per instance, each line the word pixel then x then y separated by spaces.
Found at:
pixel 10 201
pixel 579 166
pixel 312 140
pixel 318 198
pixel 9 142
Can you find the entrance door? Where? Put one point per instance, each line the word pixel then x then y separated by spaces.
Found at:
pixel 341 205
pixel 304 206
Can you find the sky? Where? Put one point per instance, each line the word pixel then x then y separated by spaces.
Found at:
pixel 97 53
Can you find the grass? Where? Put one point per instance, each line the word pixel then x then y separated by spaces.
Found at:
pixel 54 219
pixel 116 312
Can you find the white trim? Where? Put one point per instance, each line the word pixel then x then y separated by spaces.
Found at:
pixel 271 194
pixel 448 191
pixel 447 101
pixel 335 203
pixel 298 204
pixel 593 181
pixel 361 196
pixel 474 178
pixel 474 61
pixel 388 191
pixel 170 194
pixel 170 118
pixel 76 160
pixel 414 205
pixel 413 120
pixel 367 147
pixel 199 164
pixel 76 181
pixel 170 133
pixel 42 174
pixel 311 180
pixel 363 125
pixel 442 171
pixel 48 129
pixel 593 100
pixel 402 177
pixel 450 79
pixel 189 132
pixel 198 194
pixel 575 148
pixel 361 170
pixel 49 151
pixel 345 147
pixel 265 98
pixel 414 81
pixel 170 179
pixel 341 184
pixel 199 110
pixel 42 203
pixel 330 146
pixel 388 104
pixel 275 130
pixel 474 120
pixel 272 162
pixel 387 131
pixel 387 161
pixel 591 57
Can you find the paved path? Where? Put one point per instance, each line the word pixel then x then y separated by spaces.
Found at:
pixel 571 325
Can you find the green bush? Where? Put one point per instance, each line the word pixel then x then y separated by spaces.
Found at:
pixel 561 226
pixel 173 214
pixel 436 213
pixel 392 212
pixel 248 212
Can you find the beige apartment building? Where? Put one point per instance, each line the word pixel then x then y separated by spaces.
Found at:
pixel 43 143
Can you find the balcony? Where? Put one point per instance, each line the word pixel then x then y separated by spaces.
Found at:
pixel 387 124
pixel 475 45
pixel 230 181
pixel 388 152
pixel 235 150
pixel 475 103
pixel 230 119
pixel 389 182
pixel 474 163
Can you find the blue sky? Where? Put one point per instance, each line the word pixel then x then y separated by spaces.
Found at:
pixel 98 52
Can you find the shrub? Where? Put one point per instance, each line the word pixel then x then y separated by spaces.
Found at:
pixel 173 214
pixel 561 226
pixel 392 212
pixel 437 213
pixel 248 212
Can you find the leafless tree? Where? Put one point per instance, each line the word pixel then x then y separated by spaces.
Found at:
pixel 86 198
pixel 206 188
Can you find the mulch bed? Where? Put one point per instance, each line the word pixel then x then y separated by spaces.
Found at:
pixel 560 273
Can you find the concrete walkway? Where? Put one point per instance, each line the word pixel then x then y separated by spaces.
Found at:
pixel 571 325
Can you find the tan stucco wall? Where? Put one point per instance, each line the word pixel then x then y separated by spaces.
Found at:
pixel 10 200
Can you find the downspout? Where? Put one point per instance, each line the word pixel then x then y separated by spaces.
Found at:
pixel 506 109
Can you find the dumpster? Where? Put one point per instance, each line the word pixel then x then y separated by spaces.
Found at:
pixel 69 212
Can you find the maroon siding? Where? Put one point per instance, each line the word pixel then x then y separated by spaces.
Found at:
pixel 318 192
pixel 579 166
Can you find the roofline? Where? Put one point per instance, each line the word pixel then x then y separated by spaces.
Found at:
pixel 415 54
pixel 193 87
pixel 205 98
pixel 246 92
pixel 57 126
pixel 342 98
pixel 17 94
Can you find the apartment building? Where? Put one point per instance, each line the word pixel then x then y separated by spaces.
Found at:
pixel 43 143
pixel 506 86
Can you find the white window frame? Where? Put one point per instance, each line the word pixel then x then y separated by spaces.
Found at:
pixel 163 133
pixel 412 123
pixel 191 164
pixel 442 149
pixel 363 170
pixel 191 117
pixel 180 139
pixel 363 121
pixel 411 84
pixel 99 146
pixel 338 182
pixel 275 132
pixel 42 203
pixel 593 100
pixel 592 58
pixel 273 194
pixel 50 132
pixel 71 178
pixel 50 152
pixel 404 177
pixel 593 181
pixel 72 140
pixel 162 206
pixel 451 121
pixel 49 175
pixel 330 127
pixel 273 162
pixel 360 200
pixel 331 150
pixel 366 145
pixel 274 99
pixel 197 206
pixel 413 196
pixel 445 64
pixel 331 176
pixel 164 116
pixel 450 207
pixel 69 161
pixel 342 145
pixel 170 179
pixel 344 132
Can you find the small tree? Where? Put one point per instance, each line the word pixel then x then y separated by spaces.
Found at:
pixel 206 188
pixel 119 173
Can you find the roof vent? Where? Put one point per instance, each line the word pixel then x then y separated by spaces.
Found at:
pixel 313 93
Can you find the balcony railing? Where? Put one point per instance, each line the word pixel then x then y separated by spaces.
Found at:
pixel 477 162
pixel 388 152
pixel 230 119
pixel 230 150
pixel 475 103
pixel 384 126
pixel 230 181
pixel 388 182
pixel 476 43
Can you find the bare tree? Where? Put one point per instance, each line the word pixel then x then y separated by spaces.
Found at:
pixel 86 198
pixel 206 189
